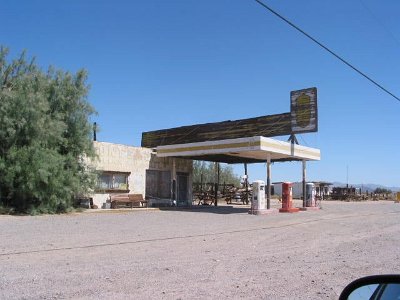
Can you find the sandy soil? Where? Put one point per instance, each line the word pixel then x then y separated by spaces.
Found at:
pixel 204 253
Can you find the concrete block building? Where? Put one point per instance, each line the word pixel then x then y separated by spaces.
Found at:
pixel 137 170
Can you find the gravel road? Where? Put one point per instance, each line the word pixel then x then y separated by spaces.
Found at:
pixel 204 253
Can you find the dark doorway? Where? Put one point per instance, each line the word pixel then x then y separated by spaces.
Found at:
pixel 158 184
pixel 182 185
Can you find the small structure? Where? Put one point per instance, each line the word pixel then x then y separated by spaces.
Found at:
pixel 345 193
pixel 322 188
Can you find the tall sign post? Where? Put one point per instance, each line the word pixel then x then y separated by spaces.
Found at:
pixel 303 118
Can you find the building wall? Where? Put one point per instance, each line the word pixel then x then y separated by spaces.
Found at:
pixel 136 160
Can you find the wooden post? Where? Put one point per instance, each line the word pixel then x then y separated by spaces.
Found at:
pixel 269 183
pixel 174 181
pixel 304 183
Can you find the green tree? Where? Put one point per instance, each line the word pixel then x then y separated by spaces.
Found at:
pixel 44 136
pixel 206 170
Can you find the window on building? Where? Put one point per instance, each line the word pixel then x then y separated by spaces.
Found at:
pixel 113 181
pixel 158 184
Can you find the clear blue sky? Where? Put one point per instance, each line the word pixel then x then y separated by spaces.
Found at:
pixel 161 64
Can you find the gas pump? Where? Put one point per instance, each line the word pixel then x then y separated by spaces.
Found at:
pixel 258 198
pixel 287 198
pixel 310 195
pixel 310 202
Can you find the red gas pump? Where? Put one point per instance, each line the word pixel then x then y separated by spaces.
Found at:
pixel 287 198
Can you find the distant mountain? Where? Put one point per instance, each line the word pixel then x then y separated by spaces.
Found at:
pixel 370 187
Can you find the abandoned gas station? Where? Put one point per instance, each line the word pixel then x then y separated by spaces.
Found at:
pixel 246 141
pixel 167 154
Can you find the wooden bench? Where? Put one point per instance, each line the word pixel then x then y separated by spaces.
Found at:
pixel 127 199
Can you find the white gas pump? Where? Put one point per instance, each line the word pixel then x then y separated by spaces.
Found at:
pixel 258 200
pixel 310 195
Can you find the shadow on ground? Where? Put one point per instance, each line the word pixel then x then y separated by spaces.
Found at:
pixel 223 210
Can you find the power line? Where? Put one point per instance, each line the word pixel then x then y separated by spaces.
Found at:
pixel 327 49
pixel 304 141
pixel 388 31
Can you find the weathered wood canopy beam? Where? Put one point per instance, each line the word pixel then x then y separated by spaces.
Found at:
pixel 268 126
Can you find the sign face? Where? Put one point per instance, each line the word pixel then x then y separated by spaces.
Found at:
pixel 303 110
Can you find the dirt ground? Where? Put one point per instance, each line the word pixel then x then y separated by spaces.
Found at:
pixel 204 253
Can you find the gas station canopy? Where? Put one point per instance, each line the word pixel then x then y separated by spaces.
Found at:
pixel 241 150
pixel 246 140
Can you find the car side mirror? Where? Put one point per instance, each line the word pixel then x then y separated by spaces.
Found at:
pixel 375 287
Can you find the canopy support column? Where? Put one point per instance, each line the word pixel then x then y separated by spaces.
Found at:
pixel 268 182
pixel 246 182
pixel 304 183
pixel 216 185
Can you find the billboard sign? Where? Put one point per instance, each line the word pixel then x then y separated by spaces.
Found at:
pixel 301 118
pixel 303 110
